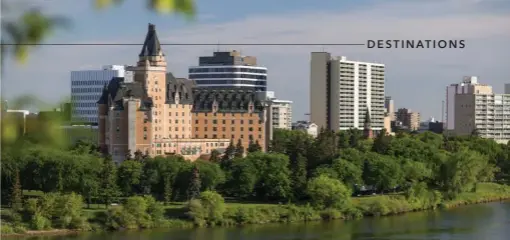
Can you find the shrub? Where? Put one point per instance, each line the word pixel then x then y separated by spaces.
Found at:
pixel 326 192
pixel 208 209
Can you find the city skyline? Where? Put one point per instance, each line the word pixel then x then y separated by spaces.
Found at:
pixel 288 72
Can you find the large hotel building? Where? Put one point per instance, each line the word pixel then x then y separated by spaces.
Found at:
pixel 474 107
pixel 159 114
pixel 343 91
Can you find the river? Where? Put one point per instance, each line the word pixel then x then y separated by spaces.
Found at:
pixel 489 221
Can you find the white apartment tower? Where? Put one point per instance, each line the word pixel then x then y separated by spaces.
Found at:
pixel 342 91
pixel 86 89
pixel 474 107
pixel 281 111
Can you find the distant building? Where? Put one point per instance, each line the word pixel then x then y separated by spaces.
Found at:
pixel 474 107
pixel 311 128
pixel 87 87
pixel 342 90
pixel 389 106
pixel 408 118
pixel 282 111
pixel 431 125
pixel 229 70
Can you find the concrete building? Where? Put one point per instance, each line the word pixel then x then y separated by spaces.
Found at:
pixel 229 70
pixel 431 125
pixel 159 114
pixel 342 91
pixel 389 106
pixel 409 119
pixel 311 128
pixel 474 107
pixel 282 111
pixel 86 87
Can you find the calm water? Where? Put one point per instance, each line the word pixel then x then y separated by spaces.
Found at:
pixel 476 222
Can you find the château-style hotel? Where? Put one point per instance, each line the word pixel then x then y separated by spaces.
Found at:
pixel 159 114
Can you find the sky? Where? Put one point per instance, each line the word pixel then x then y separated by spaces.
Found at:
pixel 415 78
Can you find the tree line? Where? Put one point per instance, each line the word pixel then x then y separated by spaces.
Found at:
pixel 295 168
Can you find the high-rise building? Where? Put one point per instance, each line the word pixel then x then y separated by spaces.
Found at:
pixel 473 107
pixel 159 114
pixel 341 92
pixel 229 70
pixel 409 119
pixel 281 110
pixel 86 87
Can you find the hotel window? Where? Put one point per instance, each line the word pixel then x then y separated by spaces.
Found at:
pixel 260 136
pixel 214 136
pixel 260 129
pixel 215 129
pixel 196 121
pixel 176 129
pixel 242 128
pixel 176 136
pixel 250 122
pixel 233 121
pixel 251 137
pixel 242 136
pixel 206 114
pixel 196 135
pixel 233 137
pixel 176 121
pixel 223 136
pixel 170 114
pixel 223 128
pixel 205 121
pixel 145 137
pixel 118 129
pixel 250 129
pixel 205 136
pixel 242 121
pixel 183 114
pixel 196 128
pixel 205 128
pixel 233 128
pixel 223 121
pixel 215 121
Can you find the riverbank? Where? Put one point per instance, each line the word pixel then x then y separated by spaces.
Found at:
pixel 244 213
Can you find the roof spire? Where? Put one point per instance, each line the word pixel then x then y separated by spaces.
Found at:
pixel 151 45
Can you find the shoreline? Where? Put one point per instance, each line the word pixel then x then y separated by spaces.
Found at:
pixel 446 205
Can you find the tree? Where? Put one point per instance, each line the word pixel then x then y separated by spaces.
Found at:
pixel 239 149
pixel 109 188
pixel 381 143
pixel 254 146
pixel 16 194
pixel 128 156
pixel 298 176
pixel 326 192
pixel 129 175
pixel 382 172
pixel 215 156
pixel 229 154
pixel 195 184
pixel 167 193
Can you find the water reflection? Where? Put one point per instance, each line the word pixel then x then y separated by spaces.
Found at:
pixel 485 221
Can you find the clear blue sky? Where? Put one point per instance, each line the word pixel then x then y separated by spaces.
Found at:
pixel 416 78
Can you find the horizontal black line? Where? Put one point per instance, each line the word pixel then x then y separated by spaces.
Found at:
pixel 186 44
